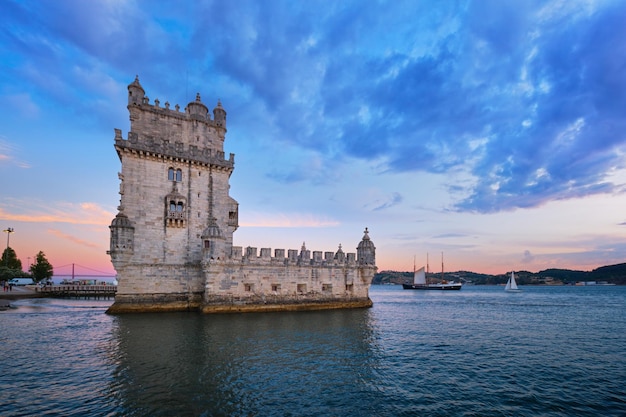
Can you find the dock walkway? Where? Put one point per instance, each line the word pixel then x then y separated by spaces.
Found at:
pixel 79 291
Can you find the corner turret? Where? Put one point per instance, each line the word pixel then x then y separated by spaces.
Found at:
pixel 219 115
pixel 366 251
pixel 136 93
pixel 122 240
pixel 214 243
pixel 197 108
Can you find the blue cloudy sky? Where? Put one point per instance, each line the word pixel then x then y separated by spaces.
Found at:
pixel 491 131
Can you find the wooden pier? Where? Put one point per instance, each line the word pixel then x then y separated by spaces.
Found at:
pixel 79 291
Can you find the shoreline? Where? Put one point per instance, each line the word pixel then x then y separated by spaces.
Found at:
pixel 19 293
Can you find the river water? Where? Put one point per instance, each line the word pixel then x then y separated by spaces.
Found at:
pixel 550 351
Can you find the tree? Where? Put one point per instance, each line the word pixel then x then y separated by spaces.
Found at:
pixel 41 269
pixel 10 266
pixel 9 259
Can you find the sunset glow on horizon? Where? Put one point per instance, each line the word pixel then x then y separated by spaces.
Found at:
pixel 492 132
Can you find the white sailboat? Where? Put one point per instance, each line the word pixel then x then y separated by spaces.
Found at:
pixel 511 285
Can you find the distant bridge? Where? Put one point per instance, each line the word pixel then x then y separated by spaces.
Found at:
pixel 74 271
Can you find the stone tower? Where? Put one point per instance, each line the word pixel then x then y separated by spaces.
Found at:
pixel 174 189
pixel 172 238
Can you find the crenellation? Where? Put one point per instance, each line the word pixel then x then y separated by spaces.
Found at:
pixel 251 253
pixel 172 239
pixel 351 258
pixel 317 257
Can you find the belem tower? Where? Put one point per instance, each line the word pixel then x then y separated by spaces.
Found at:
pixel 172 238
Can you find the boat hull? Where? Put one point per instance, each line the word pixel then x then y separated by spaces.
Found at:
pixel 433 287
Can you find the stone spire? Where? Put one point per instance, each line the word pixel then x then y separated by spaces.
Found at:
pixel 366 251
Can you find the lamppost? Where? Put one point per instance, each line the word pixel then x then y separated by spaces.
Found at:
pixel 8 231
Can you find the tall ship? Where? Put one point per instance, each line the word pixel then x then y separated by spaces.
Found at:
pixel 421 282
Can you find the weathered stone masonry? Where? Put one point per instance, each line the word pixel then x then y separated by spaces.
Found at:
pixel 172 239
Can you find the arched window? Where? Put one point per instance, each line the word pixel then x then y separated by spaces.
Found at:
pixel 172 206
pixel 174 175
pixel 179 207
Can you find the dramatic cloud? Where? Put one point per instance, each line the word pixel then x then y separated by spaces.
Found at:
pixel 528 99
pixel 505 106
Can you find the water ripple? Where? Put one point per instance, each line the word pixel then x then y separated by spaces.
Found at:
pixel 546 351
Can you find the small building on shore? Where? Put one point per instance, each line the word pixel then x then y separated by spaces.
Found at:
pixel 172 239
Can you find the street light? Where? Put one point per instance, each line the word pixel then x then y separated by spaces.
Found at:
pixel 8 231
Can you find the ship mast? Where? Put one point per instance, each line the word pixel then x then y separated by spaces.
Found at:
pixel 442 276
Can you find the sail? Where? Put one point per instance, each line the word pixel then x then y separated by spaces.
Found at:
pixel 511 285
pixel 419 277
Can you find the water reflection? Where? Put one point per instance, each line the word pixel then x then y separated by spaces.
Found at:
pixel 254 364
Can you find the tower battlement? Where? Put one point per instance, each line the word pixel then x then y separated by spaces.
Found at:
pixel 293 257
pixel 151 146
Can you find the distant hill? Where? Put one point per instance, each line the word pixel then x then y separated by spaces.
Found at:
pixel 615 274
pixel 612 274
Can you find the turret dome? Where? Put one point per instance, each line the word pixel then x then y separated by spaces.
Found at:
pixel 121 220
pixel 136 93
pixel 212 231
pixel 197 108
pixel 366 251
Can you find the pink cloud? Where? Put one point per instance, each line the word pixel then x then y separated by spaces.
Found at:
pixel 73 239
pixel 82 213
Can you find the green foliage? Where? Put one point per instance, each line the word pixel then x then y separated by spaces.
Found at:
pixel 10 260
pixel 8 273
pixel 611 273
pixel 10 266
pixel 41 269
